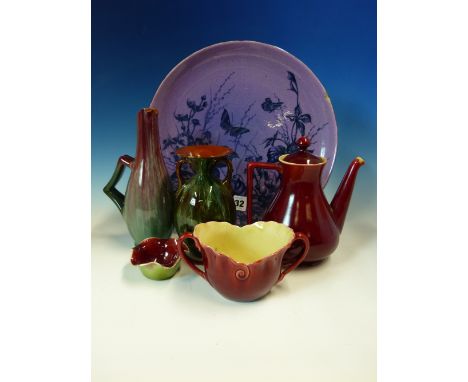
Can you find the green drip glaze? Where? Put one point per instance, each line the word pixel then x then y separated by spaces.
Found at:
pixel 148 204
pixel 203 198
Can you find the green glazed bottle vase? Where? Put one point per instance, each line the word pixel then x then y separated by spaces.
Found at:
pixel 203 197
pixel 148 204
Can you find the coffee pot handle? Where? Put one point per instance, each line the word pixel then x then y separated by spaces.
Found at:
pixel 228 178
pixel 182 254
pixel 301 237
pixel 251 166
pixel 109 189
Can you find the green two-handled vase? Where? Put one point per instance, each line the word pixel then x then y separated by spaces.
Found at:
pixel 148 204
pixel 203 197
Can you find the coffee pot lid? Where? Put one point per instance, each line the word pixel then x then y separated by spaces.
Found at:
pixel 303 156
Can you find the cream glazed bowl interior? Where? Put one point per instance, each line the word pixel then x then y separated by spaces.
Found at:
pixel 243 263
pixel 246 244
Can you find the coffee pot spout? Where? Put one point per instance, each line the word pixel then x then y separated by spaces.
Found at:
pixel 340 202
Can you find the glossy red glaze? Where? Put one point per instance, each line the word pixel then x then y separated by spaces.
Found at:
pixel 243 282
pixel 161 251
pixel 301 203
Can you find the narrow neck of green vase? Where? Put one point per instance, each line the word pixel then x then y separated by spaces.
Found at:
pixel 148 134
pixel 202 166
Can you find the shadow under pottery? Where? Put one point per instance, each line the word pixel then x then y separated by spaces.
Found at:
pixel 132 274
pixel 106 228
pixel 316 264
pixel 357 235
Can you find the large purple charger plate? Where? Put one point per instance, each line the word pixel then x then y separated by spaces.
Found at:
pixel 255 98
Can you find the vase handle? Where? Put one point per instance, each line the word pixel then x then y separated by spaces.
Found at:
pixel 182 254
pixel 109 189
pixel 251 166
pixel 301 237
pixel 227 180
pixel 179 165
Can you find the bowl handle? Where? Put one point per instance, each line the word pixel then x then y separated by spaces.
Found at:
pixel 182 254
pixel 298 236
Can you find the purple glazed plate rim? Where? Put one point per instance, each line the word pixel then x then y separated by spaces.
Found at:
pixel 221 46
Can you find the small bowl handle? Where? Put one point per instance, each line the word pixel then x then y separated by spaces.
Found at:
pixel 301 237
pixel 182 254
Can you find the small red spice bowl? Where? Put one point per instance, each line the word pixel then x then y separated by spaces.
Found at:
pixel 157 259
pixel 243 263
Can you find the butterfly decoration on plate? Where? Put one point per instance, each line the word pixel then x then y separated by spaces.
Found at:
pixel 227 126
pixel 269 105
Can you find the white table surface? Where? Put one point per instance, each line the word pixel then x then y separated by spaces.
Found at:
pixel 319 324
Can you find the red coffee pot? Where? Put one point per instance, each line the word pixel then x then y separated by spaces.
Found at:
pixel 300 202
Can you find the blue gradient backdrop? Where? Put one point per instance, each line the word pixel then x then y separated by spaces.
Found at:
pixel 136 43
